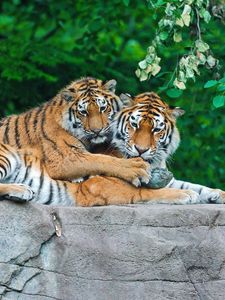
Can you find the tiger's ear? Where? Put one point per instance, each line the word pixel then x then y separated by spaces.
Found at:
pixel 110 85
pixel 68 95
pixel 177 112
pixel 126 99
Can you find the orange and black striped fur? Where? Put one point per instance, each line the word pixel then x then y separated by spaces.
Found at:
pixel 147 129
pixel 24 178
pixel 45 146
pixel 61 131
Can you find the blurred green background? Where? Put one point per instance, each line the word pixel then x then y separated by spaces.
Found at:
pixel 46 44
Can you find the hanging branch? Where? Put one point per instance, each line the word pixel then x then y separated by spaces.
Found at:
pixel 178 16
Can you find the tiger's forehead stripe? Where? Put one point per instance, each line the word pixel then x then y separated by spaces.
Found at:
pixel 86 85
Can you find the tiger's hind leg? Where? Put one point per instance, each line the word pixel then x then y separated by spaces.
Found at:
pixel 10 165
pixel 15 192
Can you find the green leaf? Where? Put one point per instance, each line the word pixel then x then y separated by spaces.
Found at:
pixel 163 35
pixel 155 69
pixel 159 3
pixel 186 19
pixel 180 22
pixel 210 84
pixel 221 88
pixel 189 72
pixel 174 93
pixel 181 85
pixel 151 50
pixel 201 46
pixel 162 89
pixel 126 2
pixel 187 10
pixel 186 15
pixel 211 61
pixel 143 76
pixel 181 76
pixel 218 101
pixel 143 64
pixel 222 80
pixel 206 16
pixel 177 37
pixel 138 73
pixel 149 58
pixel 201 58
pixel 169 9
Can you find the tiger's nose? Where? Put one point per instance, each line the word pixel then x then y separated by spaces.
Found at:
pixel 141 150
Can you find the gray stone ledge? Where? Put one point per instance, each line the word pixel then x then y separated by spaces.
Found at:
pixel 135 252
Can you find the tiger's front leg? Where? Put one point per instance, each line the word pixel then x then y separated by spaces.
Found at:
pixel 100 190
pixel 206 194
pixel 74 162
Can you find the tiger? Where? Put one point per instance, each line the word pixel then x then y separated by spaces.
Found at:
pixel 24 178
pixel 147 128
pixel 61 131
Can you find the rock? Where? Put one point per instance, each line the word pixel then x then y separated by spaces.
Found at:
pixel 160 178
pixel 134 252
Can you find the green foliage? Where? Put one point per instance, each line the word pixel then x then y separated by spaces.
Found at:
pixel 46 44
pixel 177 16
pixel 219 89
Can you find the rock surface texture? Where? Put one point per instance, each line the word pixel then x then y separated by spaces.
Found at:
pixel 150 252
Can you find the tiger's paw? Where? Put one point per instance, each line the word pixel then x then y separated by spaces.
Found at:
pixel 19 193
pixel 137 171
pixel 190 197
pixel 216 196
pixel 160 178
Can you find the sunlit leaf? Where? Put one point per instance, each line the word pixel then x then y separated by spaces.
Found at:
pixel 155 69
pixel 210 84
pixel 177 37
pixel 143 76
pixel 180 22
pixel 201 46
pixel 221 88
pixel 179 84
pixel 218 101
pixel 211 61
pixel 143 64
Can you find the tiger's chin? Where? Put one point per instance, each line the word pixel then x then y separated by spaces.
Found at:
pixel 99 140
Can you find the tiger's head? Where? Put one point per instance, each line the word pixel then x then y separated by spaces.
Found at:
pixel 147 128
pixel 88 107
